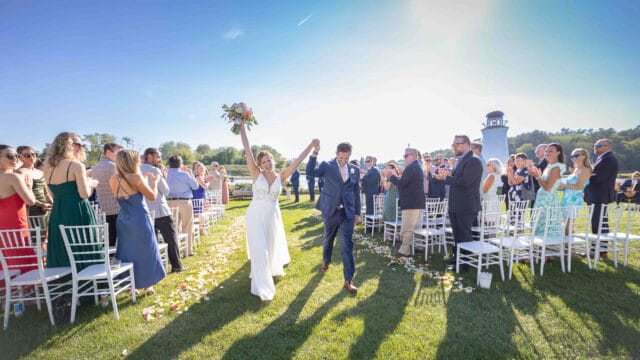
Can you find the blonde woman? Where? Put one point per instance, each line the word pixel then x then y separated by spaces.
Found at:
pixel 137 241
pixel 574 185
pixel 489 194
pixel 70 187
pixel 200 174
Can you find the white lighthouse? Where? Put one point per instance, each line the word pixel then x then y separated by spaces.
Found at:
pixel 494 137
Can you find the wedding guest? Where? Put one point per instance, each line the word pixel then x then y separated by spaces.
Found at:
pixel 370 184
pixel 630 189
pixel 181 184
pixel 519 178
pixel 476 147
pixel 103 171
pixel 437 187
pixel 541 163
pixel 464 195
pixel 137 241
pixel 295 183
pixel 511 164
pixel 225 185
pixel 601 188
pixel 200 174
pixel 390 199
pixel 67 180
pixel 36 180
pixel 549 180
pixel 310 172
pixel 427 168
pixel 411 193
pixel 215 177
pixel 266 238
pixel 14 196
pixel 489 193
pixel 163 222
pixel 573 186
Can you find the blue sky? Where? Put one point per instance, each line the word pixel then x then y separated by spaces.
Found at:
pixel 380 74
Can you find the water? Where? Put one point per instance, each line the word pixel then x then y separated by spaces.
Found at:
pixel 247 180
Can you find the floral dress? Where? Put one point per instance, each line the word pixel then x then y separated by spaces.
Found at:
pixel 549 199
pixel 515 192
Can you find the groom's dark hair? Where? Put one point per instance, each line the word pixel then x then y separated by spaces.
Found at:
pixel 344 147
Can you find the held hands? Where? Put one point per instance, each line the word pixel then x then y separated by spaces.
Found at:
pixel 316 145
pixel 441 174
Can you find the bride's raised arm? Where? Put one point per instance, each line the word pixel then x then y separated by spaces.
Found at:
pixel 254 170
pixel 284 175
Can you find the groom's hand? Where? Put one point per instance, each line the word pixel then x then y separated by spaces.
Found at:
pixel 356 219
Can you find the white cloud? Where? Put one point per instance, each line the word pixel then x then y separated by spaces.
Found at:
pixel 233 34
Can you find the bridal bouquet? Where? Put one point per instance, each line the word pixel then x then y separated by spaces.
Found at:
pixel 239 113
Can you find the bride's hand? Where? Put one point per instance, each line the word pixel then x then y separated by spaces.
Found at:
pixel 316 144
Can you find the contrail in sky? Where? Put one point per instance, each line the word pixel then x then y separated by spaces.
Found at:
pixel 305 19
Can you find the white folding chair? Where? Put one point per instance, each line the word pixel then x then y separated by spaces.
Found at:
pixel 214 202
pixel 92 272
pixel 163 247
pixel 392 228
pixel 432 231
pixel 606 240
pixel 553 239
pixel 181 238
pixel 39 222
pixel 19 254
pixel 483 251
pixel 629 239
pixel 374 220
pixel 516 239
pixel 578 228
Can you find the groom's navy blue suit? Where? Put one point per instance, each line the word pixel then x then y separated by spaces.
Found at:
pixel 339 203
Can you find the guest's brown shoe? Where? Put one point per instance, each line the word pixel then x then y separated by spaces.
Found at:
pixel 350 288
pixel 324 267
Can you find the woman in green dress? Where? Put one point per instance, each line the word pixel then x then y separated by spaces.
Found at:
pixel 67 179
pixel 390 203
pixel 36 180
pixel 549 180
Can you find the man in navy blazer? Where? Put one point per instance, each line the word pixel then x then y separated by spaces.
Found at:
pixel 464 192
pixel 370 183
pixel 295 183
pixel 601 188
pixel 311 174
pixel 339 203
pixel 436 186
pixel 411 197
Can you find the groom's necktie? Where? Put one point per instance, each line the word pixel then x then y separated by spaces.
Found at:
pixel 343 172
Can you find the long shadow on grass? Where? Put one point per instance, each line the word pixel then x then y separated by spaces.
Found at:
pixel 282 337
pixel 202 319
pixel 480 324
pixel 603 296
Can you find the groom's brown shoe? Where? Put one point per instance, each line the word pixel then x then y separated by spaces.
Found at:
pixel 350 288
pixel 324 267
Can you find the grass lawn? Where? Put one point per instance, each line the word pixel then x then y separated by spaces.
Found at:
pixel 397 313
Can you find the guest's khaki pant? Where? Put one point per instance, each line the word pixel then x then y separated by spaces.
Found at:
pixel 185 220
pixel 411 220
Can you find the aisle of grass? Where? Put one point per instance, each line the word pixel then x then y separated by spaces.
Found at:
pixel 395 315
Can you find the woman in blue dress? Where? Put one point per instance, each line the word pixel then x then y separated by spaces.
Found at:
pixel 137 241
pixel 573 186
pixel 549 180
pixel 200 174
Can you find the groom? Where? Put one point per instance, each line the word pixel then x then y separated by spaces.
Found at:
pixel 339 203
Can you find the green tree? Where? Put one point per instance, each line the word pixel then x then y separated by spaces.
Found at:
pixel 95 143
pixel 181 149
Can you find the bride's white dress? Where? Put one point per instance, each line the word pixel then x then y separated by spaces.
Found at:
pixel 266 239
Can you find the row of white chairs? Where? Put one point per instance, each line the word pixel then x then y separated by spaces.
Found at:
pixel 91 272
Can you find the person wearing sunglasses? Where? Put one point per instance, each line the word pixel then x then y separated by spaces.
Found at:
pixel 70 186
pixel 14 194
pixel 602 182
pixel 573 186
pixel 464 192
pixel 36 179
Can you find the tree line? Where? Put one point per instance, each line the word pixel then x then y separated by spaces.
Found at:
pixel 626 146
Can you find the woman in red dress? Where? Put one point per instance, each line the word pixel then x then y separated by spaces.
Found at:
pixel 14 196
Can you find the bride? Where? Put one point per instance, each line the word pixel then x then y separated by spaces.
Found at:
pixel 266 240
